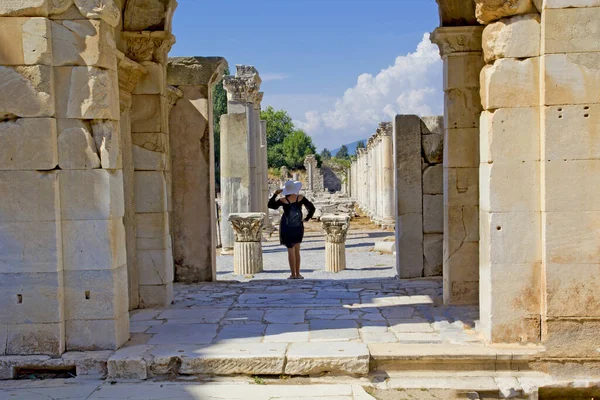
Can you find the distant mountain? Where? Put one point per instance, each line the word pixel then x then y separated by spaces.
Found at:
pixel 351 148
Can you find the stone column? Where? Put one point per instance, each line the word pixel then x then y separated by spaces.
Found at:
pixel 460 48
pixel 247 253
pixel 387 190
pixel 336 229
pixel 192 153
pixel 238 151
pixel 150 137
pixel 373 187
pixel 264 170
pixel 284 176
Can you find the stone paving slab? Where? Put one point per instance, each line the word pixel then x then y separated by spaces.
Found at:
pixel 340 358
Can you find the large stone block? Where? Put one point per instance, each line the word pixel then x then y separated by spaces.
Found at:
pixel 407 135
pixel 572 30
pixel 28 8
pixel 433 148
pixel 433 213
pixel 155 266
pixel 149 113
pixel 572 290
pixel 152 226
pixel 461 148
pixel 492 10
pixel 572 338
pixel 107 135
pixel 433 249
pixel 571 237
pixel 36 339
pixel 510 237
pixel 510 134
pixel 461 186
pixel 87 93
pixel 461 274
pixel 156 142
pixel 571 78
pixel 150 190
pixel 96 294
pixel 94 244
pixel 29 247
pixel 31 298
pixel 499 193
pixel 409 245
pixel 433 124
pixel 85 43
pixel 148 160
pixel 462 70
pixel 510 83
pixel 462 108
pixel 27 91
pixel 461 225
pixel 29 196
pixel 100 334
pixel 26 41
pixel 28 144
pixel 105 10
pixel 515 37
pixel 572 185
pixel 154 81
pixel 76 145
pixel 571 132
pixel 155 296
pixel 433 179
pixel 91 195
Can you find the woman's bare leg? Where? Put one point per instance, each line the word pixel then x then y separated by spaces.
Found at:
pixel 292 260
pixel 297 254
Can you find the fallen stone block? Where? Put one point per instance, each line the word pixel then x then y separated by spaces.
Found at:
pixel 333 357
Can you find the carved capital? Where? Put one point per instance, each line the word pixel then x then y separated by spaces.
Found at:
pixel 247 227
pixel 385 128
pixel 310 161
pixel 130 73
pixel 460 39
pixel 244 86
pixel 195 71
pixel 335 227
pixel 148 46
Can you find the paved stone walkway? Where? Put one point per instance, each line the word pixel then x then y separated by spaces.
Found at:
pixel 362 262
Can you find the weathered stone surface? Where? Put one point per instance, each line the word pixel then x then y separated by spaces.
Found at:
pixel 433 179
pixel 40 300
pixel 334 357
pixel 461 225
pixel 571 185
pixel 149 15
pixel 28 144
pixel 91 195
pixel 150 192
pixel 28 8
pixel 154 82
pixel 462 108
pixel 192 71
pixel 433 148
pixel 84 43
pixel 87 93
pixel 571 290
pixel 151 231
pixel 29 247
pixel 147 160
pixel 28 339
pixel 511 237
pixel 432 125
pixel 433 249
pixel 433 213
pixel 510 83
pixel 76 146
pixel 29 196
pixel 129 363
pixel 107 136
pixel 155 266
pixel 103 241
pixel 561 122
pixel 563 333
pixel 500 194
pixel 567 237
pixel 88 335
pixel 462 71
pixel 26 91
pixel 409 245
pixel 149 114
pixel 105 10
pixel 515 37
pixel 513 134
pixel 492 10
pixel 26 41
pixel 547 4
pixel 572 30
pixel 567 78
pixel 461 148
pixel 461 186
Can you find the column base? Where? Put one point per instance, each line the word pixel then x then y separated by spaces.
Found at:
pixel 247 258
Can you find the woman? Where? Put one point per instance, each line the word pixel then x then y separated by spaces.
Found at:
pixel 291 229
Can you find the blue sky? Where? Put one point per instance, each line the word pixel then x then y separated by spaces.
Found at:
pixel 313 56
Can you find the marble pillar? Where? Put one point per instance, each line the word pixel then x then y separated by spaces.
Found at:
pixel 192 152
pixel 239 153
pixel 336 229
pixel 247 253
pixel 387 190
pixel 461 51
pixel 264 170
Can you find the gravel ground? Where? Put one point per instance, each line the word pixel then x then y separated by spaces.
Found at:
pixel 361 261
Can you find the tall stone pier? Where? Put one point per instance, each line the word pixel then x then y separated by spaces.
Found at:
pixel 461 51
pixel 192 151
pixel 242 166
pixel 387 176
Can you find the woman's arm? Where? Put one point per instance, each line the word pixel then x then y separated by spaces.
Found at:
pixel 274 204
pixel 310 207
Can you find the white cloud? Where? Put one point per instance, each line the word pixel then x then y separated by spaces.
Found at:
pixel 269 76
pixel 413 85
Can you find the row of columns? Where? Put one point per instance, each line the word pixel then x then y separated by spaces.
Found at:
pixel 244 169
pixel 372 179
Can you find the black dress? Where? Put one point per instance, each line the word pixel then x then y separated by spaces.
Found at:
pixel 290 236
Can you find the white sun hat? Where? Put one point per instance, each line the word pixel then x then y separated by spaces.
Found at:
pixel 291 187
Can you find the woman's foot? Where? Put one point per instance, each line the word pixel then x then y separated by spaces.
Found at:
pixel 292 277
pixel 299 276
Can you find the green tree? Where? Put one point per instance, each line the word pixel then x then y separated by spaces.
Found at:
pixel 296 147
pixel 276 156
pixel 326 154
pixel 361 145
pixel 343 153
pixel 219 108
pixel 279 125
